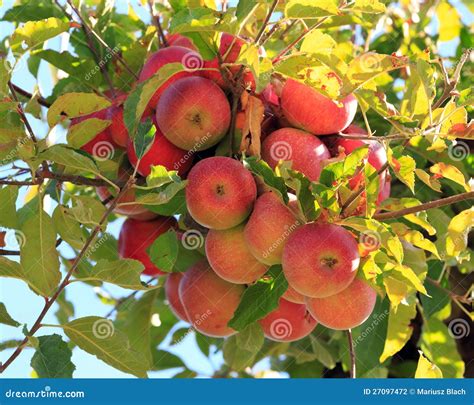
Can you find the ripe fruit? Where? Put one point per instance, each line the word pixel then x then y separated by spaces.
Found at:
pixel 306 152
pixel 165 56
pixel 293 296
pixel 180 40
pixel 307 109
pixel 209 301
pixel 345 310
pixel 172 295
pixel 136 236
pixel 320 259
pixel 268 228
pixel 193 113
pixel 230 257
pixel 117 129
pixel 220 193
pixel 287 323
pixel 162 152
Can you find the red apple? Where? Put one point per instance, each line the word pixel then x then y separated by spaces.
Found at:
pixel 345 310
pixel 288 323
pixel 209 301
pixel 172 295
pixel 293 296
pixel 269 227
pixel 320 260
pixel 220 193
pixel 117 129
pixel 306 152
pixel 137 236
pixel 307 109
pixel 230 257
pixel 193 113
pixel 180 40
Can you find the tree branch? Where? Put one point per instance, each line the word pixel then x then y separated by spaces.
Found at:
pixel 258 38
pixel 352 354
pixel 426 206
pixel 42 101
pixel 156 20
pixel 22 113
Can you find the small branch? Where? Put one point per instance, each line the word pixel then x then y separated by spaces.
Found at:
pixel 5 252
pixel 62 178
pixel 42 101
pixel 258 38
pixel 50 301
pixel 156 21
pixel 426 206
pixel 452 295
pixel 352 354
pixel 22 113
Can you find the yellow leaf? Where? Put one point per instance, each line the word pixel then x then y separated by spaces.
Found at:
pixel 458 229
pixel 449 172
pixel 426 369
pixel 317 41
pixel 415 237
pixel 396 290
pixel 449 21
pixel 428 180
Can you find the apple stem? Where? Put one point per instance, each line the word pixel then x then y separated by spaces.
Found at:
pixel 352 371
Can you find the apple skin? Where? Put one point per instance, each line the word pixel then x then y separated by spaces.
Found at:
pixel 309 110
pixel 220 193
pixel 230 258
pixel 193 113
pixel 117 129
pixel 345 310
pixel 162 152
pixel 288 323
pixel 293 296
pixel 268 228
pixel 306 152
pixel 136 236
pixel 172 295
pixel 162 57
pixel 320 260
pixel 209 301
pixel 180 40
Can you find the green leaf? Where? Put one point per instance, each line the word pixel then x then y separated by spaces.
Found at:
pixel 68 228
pixel 83 132
pixel 251 338
pixel 98 337
pixel 160 175
pixel 73 105
pixel 34 33
pixel 31 12
pixel 124 273
pixel 399 327
pixel 323 355
pixel 425 369
pixel 438 343
pixel 344 169
pixel 163 360
pixel 5 317
pixel 52 358
pixel 8 216
pixel 235 356
pixel 65 309
pixel 310 9
pixel 71 159
pixel 404 168
pixel 259 299
pixel 38 255
pixel 87 211
pixel 144 138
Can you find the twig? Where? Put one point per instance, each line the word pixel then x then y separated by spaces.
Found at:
pixel 452 295
pixel 442 202
pixel 42 101
pixel 352 354
pixel 50 301
pixel 156 20
pixel 22 113
pixel 5 252
pixel 258 38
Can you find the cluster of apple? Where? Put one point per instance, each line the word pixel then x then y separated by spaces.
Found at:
pixel 248 227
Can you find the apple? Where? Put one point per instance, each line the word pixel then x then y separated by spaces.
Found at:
pixel 320 260
pixel 172 295
pixel 165 56
pixel 230 258
pixel 162 152
pixel 268 228
pixel 117 129
pixel 220 193
pixel 307 109
pixel 136 237
pixel 180 40
pixel 288 323
pixel 193 113
pixel 306 152
pixel 293 296
pixel 209 301
pixel 345 310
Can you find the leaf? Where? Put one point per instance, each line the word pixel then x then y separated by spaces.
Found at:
pixel 399 327
pixel 310 9
pixel 235 356
pixel 259 299
pixel 442 170
pixel 449 20
pixel 31 12
pixel 52 358
pixel 430 181
pixel 124 273
pixel 160 175
pixel 69 230
pixel 420 90
pixel 425 369
pixel 87 211
pixel 458 230
pixel 34 33
pixel 72 105
pixel 251 131
pixel 404 168
pixel 251 338
pixel 8 216
pixel 419 218
pixel 83 132
pixel 144 137
pixel 38 255
pixel 317 41
pixel 323 355
pixel 65 156
pixel 368 6
pixel 416 238
pixel 163 360
pixel 344 169
pixel 98 337
pixel 5 317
